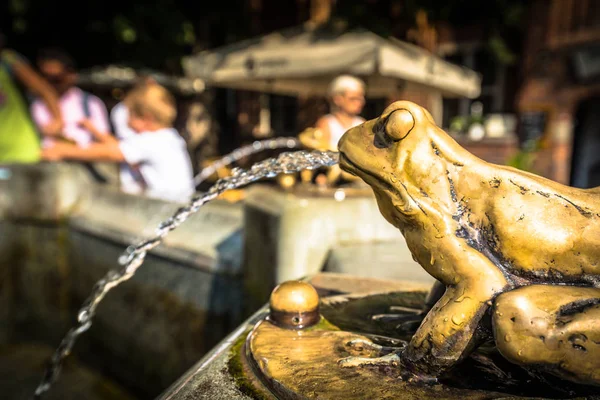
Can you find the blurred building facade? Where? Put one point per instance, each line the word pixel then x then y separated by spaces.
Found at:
pixel 546 94
pixel 548 97
pixel 291 115
pixel 547 91
pixel 561 69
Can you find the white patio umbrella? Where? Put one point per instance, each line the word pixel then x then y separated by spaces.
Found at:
pixel 303 61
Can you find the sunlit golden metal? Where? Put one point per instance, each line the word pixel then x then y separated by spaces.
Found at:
pixel 501 240
pixel 294 304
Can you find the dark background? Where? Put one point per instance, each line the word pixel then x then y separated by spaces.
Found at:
pixel 157 34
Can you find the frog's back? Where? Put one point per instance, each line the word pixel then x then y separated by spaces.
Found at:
pixel 545 231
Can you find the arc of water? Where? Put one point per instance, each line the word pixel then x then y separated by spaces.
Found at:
pixel 238 154
pixel 132 258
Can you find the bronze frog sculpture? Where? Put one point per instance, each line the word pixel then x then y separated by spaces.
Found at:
pixel 505 243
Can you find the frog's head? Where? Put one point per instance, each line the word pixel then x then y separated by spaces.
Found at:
pixel 394 155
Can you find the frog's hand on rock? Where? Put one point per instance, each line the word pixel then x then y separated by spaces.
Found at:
pixel 389 360
pixel 446 335
pixel 362 344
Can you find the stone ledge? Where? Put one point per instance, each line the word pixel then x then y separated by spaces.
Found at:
pixel 54 192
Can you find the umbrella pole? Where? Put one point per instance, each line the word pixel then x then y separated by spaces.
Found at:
pixel 264 124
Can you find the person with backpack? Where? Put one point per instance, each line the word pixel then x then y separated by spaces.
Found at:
pixel 80 110
pixel 19 139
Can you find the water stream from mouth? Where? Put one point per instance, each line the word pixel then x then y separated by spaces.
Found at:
pixel 133 257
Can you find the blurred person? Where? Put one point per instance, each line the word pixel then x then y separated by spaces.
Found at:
pixel 346 96
pixel 119 118
pixel 79 108
pixel 119 115
pixel 19 140
pixel 155 156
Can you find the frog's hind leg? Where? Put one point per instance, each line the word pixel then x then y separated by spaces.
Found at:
pixel 555 329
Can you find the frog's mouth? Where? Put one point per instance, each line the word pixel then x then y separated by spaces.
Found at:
pixel 376 182
pixel 384 191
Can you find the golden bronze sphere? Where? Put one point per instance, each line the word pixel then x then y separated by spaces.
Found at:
pixel 294 296
pixel 294 305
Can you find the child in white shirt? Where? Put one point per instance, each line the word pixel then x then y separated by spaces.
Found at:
pixel 155 159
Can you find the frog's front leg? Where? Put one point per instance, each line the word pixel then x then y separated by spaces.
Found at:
pixel 447 333
pixel 554 328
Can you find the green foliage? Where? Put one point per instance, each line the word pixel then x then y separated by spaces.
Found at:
pixel 18 7
pixel 98 32
pixel 514 14
pixel 525 157
pixel 365 15
pixel 124 29
pixel 159 33
pixel 503 20
pixel 499 48
pixel 461 124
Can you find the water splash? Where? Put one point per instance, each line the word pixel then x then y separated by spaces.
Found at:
pixel 132 259
pixel 238 154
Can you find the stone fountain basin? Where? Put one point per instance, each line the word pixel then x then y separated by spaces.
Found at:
pixel 262 361
pixel 59 234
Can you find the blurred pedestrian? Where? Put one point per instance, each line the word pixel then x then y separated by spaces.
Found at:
pixel 155 156
pixel 77 106
pixel 346 101
pixel 80 109
pixel 119 118
pixel 119 115
pixel 19 140
pixel 346 97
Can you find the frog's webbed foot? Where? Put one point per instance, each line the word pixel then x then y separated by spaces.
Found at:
pixel 362 344
pixel 391 363
pixel 389 360
pixel 380 355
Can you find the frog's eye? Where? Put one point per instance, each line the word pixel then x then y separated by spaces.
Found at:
pixel 381 140
pixel 398 124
